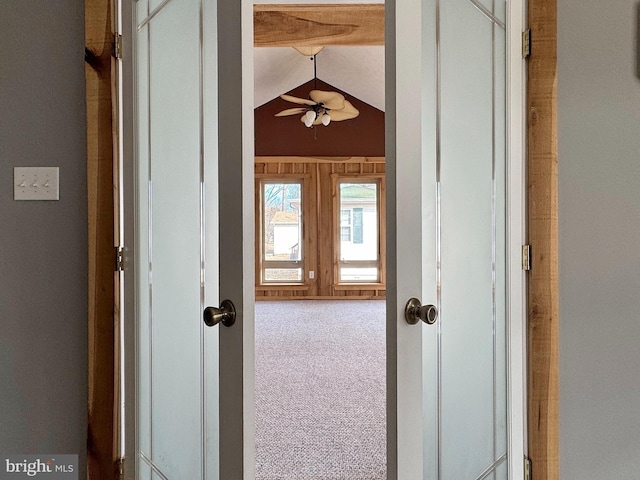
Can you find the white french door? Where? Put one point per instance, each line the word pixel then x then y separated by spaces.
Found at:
pixel 189 240
pixel 454 126
pixel 454 134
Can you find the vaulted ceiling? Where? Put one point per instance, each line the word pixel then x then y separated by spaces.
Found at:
pixel 352 59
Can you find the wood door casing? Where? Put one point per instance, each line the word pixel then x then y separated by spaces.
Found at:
pixel 542 194
pixel 102 452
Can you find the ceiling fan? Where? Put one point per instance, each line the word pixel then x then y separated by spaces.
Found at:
pixel 321 107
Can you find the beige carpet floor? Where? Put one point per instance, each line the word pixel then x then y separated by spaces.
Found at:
pixel 320 390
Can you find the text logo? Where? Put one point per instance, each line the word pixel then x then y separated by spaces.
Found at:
pixel 50 467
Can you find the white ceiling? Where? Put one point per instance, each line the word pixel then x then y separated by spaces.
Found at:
pixel 358 71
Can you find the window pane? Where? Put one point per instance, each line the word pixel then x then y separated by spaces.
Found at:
pixel 345 217
pixel 357 225
pixel 360 200
pixel 282 275
pixel 282 222
pixel 356 274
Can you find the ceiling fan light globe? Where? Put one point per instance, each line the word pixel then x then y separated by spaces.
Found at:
pixel 309 118
pixel 326 119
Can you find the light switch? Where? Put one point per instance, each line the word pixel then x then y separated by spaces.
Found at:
pixel 36 183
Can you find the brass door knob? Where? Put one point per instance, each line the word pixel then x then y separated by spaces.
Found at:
pixel 414 311
pixel 226 314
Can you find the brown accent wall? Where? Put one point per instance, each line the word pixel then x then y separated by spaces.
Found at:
pixel 362 136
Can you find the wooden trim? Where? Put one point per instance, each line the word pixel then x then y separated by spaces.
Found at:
pixel 99 74
pixel 382 236
pixel 357 176
pixel 321 297
pixel 307 219
pixel 318 25
pixel 380 180
pixel 257 244
pixel 335 227
pixel 543 303
pixel 360 286
pixel 282 286
pixel 311 230
pixel 282 176
pixel 289 159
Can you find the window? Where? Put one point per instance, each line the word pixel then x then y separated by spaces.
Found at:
pixel 359 248
pixel 281 231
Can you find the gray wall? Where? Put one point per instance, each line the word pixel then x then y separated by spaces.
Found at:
pixel 599 197
pixel 43 252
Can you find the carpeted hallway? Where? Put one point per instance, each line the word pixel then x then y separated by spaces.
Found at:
pixel 320 390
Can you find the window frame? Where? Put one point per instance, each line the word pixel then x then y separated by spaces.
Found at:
pixel 380 263
pixel 262 264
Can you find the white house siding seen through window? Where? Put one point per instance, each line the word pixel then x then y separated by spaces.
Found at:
pixel 359 231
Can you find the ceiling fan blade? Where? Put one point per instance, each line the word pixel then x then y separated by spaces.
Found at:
pixel 301 101
pixel 331 100
pixel 347 113
pixel 290 111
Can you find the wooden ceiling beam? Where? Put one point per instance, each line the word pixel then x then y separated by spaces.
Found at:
pixel 318 25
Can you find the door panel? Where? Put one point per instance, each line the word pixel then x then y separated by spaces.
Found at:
pixel 175 227
pixel 177 358
pixel 182 114
pixel 471 305
pixel 451 160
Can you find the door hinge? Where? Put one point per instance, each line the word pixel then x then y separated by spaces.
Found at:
pixel 119 259
pixel 526 43
pixel 527 469
pixel 117 45
pixel 120 468
pixel 526 257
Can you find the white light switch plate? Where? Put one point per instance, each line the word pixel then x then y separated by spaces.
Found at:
pixel 36 183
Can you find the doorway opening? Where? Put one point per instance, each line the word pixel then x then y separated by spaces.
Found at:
pixel 320 249
pixel 320 359
pixel 349 286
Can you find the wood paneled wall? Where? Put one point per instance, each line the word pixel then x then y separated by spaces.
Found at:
pixel 319 229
